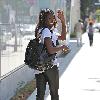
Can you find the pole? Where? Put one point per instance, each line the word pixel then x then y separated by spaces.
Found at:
pixel 67 23
pixel 0 57
pixel 15 32
pixel 0 51
pixel 70 23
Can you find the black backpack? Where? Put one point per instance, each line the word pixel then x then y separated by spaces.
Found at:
pixel 37 57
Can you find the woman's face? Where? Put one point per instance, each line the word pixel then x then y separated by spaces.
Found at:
pixel 50 20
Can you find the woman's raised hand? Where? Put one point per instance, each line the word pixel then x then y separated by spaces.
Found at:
pixel 60 15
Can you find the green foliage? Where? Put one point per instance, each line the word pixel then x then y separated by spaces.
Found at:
pixel 98 12
pixel 86 7
pixel 73 35
pixel 98 15
pixel 25 92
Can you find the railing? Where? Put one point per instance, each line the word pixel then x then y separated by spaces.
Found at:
pixel 11 72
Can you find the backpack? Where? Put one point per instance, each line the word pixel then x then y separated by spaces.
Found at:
pixel 37 57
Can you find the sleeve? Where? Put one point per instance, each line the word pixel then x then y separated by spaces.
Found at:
pixel 46 33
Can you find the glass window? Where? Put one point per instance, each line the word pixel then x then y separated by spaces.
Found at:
pixel 18 19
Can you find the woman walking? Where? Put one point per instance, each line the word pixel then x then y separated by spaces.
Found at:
pixel 90 33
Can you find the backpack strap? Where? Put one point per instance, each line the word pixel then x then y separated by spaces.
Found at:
pixel 39 33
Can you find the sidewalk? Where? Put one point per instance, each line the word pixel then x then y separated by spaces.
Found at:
pixel 79 72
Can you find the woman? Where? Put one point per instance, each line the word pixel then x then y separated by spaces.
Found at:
pixel 90 33
pixel 47 22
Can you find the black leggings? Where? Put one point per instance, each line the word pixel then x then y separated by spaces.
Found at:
pixel 90 38
pixel 52 77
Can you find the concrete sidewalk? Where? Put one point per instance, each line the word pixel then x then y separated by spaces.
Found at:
pixel 79 72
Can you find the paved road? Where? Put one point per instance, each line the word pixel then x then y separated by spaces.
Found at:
pixel 79 72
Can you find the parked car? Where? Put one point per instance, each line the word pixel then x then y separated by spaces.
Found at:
pixel 5 36
pixel 97 26
pixel 27 29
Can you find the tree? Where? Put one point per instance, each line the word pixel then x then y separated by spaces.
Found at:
pixel 86 7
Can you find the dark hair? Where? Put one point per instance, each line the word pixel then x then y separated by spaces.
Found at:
pixel 79 20
pixel 42 19
pixel 90 23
